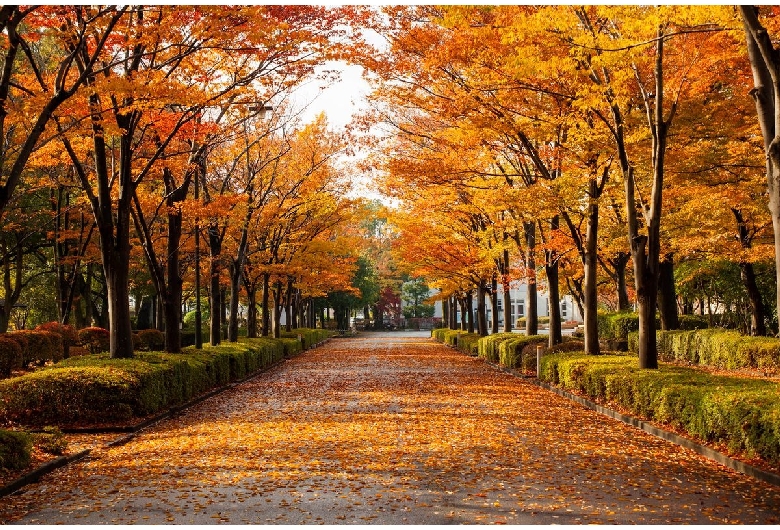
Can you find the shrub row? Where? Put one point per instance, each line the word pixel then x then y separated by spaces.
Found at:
pixel 716 347
pixel 519 352
pixel 487 347
pixel 742 413
pixel 512 350
pixel 309 337
pixel 458 338
pixel 101 390
pixel 618 326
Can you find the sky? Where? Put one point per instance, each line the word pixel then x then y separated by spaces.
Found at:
pixel 340 100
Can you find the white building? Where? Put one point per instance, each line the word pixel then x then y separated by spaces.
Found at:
pixel 569 309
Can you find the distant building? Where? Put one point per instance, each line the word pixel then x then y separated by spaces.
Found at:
pixel 568 307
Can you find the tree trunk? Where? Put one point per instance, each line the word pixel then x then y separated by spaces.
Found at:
pixel 469 312
pixel 494 305
pixel 590 283
pixel 555 333
pixel 236 273
pixel 278 310
pixel 251 311
pixel 531 309
pixel 748 276
pixel 288 303
pixel 265 306
pixel 621 264
pixel 481 309
pixel 667 295
pixel 765 65
pixel 215 300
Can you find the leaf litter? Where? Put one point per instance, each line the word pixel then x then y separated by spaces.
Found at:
pixel 383 431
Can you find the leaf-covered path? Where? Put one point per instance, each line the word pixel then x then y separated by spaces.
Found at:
pixel 392 429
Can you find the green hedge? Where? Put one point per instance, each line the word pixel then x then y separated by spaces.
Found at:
pixel 513 353
pixel 487 347
pixel 742 413
pixel 616 326
pixel 718 348
pixel 309 336
pixel 458 338
pixel 98 389
pixel 15 449
pixel 468 343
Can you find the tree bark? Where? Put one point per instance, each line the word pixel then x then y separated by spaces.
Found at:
pixel 494 305
pixel 590 283
pixel 469 311
pixel 748 276
pixel 531 305
pixel 481 309
pixel 506 292
pixel 265 306
pixel 765 65
pixel 215 298
pixel 667 294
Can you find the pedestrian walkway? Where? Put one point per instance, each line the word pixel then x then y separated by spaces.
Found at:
pixel 392 428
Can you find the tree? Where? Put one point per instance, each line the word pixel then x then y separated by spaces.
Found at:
pixel 765 63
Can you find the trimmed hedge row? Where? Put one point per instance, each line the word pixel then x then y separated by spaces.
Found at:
pixel 98 389
pixel 458 338
pixel 488 347
pixel 618 326
pixel 742 413
pixel 512 350
pixel 716 347
pixel 309 337
pixel 520 351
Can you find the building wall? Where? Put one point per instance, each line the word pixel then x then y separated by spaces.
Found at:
pixel 569 309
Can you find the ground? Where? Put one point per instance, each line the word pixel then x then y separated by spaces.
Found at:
pixel 392 429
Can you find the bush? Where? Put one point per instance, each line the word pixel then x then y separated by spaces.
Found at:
pixel 21 340
pixel 38 346
pixel 95 339
pixel 689 322
pixel 487 347
pixel 513 353
pixel 616 326
pixel 468 343
pixel 15 449
pixel 718 348
pixel 51 441
pixel 569 345
pixel 310 337
pixel 520 322
pixel 100 390
pixel 292 346
pixel 10 356
pixel 67 334
pixel 742 413
pixel 151 339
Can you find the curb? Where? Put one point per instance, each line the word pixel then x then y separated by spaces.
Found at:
pixel 703 450
pixel 36 474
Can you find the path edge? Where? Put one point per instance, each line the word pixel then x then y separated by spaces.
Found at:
pixel 703 450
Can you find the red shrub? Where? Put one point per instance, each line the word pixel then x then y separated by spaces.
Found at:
pixel 95 339
pixel 152 339
pixel 41 346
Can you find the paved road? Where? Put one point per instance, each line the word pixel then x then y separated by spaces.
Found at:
pixel 392 429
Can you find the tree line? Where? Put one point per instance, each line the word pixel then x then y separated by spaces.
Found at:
pixel 140 141
pixel 611 151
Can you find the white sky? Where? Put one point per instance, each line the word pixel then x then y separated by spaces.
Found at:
pixel 340 100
